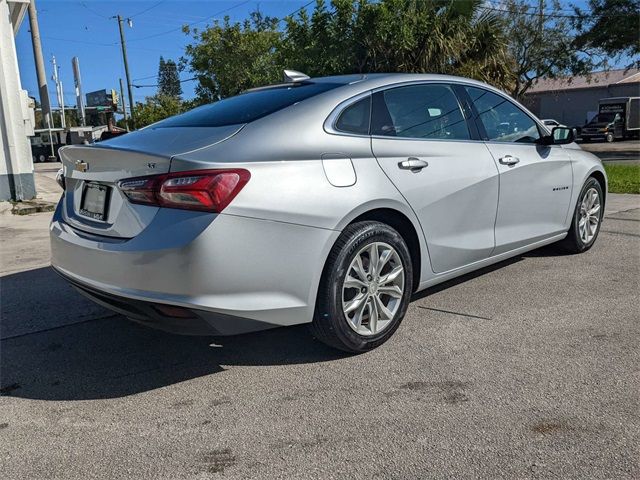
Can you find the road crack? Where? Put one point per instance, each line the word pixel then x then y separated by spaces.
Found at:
pixel 454 313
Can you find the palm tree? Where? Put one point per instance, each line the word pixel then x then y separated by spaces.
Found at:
pixel 457 37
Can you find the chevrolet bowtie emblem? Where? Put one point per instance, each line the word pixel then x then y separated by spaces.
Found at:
pixel 81 166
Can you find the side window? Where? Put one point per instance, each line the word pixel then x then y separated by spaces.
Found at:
pixel 502 120
pixel 355 118
pixel 429 111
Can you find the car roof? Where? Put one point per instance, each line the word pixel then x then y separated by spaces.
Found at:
pixel 374 80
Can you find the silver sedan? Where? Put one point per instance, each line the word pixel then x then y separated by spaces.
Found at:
pixel 327 201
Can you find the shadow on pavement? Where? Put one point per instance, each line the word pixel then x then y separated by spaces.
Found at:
pixel 75 350
pixel 107 356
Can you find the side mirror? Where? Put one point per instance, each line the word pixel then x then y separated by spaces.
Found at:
pixel 562 135
pixel 559 136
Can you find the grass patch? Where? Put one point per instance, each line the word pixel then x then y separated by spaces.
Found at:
pixel 623 178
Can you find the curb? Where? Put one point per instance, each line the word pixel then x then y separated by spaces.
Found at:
pixel 32 206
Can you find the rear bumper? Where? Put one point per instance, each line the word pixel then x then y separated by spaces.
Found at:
pixel 179 320
pixel 232 274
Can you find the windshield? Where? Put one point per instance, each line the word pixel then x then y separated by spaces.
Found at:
pixel 247 107
pixel 603 118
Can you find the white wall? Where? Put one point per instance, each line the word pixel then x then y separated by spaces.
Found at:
pixel 16 166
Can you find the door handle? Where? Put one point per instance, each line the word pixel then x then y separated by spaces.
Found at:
pixel 414 164
pixel 509 160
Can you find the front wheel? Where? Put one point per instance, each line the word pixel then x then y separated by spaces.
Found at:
pixel 610 137
pixel 587 218
pixel 365 288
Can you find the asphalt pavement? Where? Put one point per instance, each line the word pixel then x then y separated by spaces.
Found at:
pixel 526 369
pixel 625 152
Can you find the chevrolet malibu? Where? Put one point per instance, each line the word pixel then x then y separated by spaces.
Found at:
pixel 327 201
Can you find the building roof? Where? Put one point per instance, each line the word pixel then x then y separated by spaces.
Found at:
pixel 596 79
pixel 17 10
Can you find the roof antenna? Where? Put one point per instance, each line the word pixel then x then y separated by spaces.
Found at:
pixel 291 76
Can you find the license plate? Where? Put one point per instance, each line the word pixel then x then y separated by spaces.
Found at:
pixel 95 199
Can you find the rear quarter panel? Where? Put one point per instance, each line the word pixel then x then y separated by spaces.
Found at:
pixel 284 153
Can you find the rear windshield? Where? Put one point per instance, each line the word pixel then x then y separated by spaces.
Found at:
pixel 247 107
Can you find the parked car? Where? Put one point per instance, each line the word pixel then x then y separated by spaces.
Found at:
pixel 327 201
pixel 618 118
pixel 550 122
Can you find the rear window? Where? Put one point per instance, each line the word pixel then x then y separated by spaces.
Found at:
pixel 355 118
pixel 247 107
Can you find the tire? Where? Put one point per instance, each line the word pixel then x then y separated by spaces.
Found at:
pixel 574 242
pixel 610 137
pixel 359 330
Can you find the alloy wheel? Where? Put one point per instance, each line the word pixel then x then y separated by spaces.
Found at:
pixel 589 215
pixel 373 288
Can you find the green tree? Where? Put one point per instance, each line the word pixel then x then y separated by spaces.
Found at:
pixel 352 36
pixel 168 78
pixel 156 108
pixel 610 25
pixel 227 58
pixel 543 44
pixel 416 36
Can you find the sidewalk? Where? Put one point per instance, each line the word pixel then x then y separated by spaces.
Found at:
pixel 24 239
pixel 48 192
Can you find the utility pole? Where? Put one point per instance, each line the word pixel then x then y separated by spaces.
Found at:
pixel 37 56
pixel 59 91
pixel 42 76
pixel 124 106
pixel 75 63
pixel 126 70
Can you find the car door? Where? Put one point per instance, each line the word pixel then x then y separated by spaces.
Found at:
pixel 535 180
pixel 426 147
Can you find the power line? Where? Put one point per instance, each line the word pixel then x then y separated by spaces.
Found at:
pixel 503 7
pixel 146 78
pixel 536 13
pixel 93 11
pixel 75 40
pixel 147 9
pixel 108 17
pixel 157 85
pixel 190 24
pixel 298 10
pixel 532 14
pixel 206 18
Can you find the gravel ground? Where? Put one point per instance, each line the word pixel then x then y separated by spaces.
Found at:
pixel 527 369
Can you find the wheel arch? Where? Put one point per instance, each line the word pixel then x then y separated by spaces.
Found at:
pixel 405 227
pixel 602 180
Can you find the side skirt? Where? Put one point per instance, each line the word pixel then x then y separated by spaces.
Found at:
pixel 443 277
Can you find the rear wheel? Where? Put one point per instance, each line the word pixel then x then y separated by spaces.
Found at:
pixel 365 289
pixel 587 218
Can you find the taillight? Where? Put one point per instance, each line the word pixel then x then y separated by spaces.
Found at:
pixel 205 190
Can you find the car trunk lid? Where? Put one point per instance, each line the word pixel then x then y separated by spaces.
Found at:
pixel 92 201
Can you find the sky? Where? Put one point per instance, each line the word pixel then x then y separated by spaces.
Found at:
pixel 87 29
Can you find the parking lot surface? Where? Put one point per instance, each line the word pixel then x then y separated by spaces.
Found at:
pixel 621 152
pixel 527 369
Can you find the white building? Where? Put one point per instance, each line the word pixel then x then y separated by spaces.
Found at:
pixel 16 116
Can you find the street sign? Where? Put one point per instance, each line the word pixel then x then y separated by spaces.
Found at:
pixel 102 98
